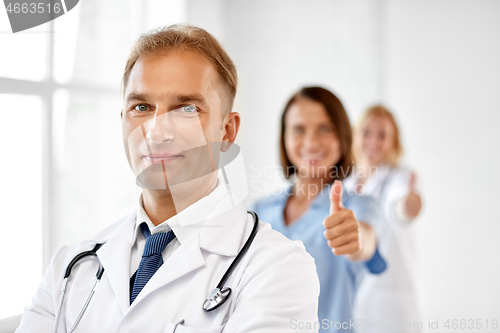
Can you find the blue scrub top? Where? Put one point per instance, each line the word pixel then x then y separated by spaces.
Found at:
pixel 336 274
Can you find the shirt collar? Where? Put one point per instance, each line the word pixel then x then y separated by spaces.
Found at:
pixel 217 222
pixel 186 223
pixel 143 217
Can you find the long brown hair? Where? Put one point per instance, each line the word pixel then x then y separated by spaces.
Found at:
pixel 337 115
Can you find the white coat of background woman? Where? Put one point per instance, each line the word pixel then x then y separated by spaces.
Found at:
pixel 391 299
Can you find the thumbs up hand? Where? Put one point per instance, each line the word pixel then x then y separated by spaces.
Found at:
pixel 413 202
pixel 342 229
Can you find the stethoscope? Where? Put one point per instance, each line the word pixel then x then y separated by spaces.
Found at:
pixel 215 298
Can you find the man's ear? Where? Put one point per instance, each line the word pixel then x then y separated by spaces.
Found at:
pixel 231 127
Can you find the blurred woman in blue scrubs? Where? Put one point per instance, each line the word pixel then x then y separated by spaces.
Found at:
pixel 335 227
pixel 393 296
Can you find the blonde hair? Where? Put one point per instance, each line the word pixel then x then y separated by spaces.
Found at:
pixel 396 153
pixel 189 38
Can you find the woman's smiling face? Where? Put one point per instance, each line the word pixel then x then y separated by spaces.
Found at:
pixel 375 140
pixel 311 141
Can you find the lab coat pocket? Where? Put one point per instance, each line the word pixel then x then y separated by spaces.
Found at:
pixel 180 328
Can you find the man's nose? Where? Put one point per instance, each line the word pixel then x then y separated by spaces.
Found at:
pixel 160 128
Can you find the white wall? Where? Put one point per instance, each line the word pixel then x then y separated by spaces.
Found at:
pixel 281 46
pixel 436 64
pixel 443 81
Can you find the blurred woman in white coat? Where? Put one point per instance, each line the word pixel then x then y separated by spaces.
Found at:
pixel 390 301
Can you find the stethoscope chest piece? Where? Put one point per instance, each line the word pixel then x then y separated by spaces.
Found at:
pixel 216 298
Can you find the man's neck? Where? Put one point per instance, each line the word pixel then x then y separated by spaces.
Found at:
pixel 159 204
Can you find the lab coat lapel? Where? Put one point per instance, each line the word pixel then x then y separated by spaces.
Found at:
pixel 223 234
pixel 374 184
pixel 184 260
pixel 115 258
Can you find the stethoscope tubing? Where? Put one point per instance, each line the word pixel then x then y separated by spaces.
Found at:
pixel 242 253
pixel 100 273
pixel 67 274
pixel 80 315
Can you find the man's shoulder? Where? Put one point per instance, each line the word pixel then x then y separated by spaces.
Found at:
pixel 276 265
pixel 272 247
pixel 270 238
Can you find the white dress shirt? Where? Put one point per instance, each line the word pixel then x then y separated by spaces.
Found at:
pixel 206 204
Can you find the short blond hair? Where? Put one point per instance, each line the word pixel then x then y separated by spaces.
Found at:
pixel 395 155
pixel 189 38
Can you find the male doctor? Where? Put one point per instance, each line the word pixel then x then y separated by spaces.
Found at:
pixel 161 261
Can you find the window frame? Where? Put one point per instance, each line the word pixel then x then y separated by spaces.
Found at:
pixel 45 89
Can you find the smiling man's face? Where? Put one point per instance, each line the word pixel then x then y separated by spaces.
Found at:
pixel 172 111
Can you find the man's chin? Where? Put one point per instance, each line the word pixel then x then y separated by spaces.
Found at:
pixel 155 177
pixel 152 181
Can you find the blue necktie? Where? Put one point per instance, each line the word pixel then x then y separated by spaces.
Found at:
pixel 151 260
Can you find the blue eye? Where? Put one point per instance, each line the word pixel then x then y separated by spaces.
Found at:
pixel 141 107
pixel 189 108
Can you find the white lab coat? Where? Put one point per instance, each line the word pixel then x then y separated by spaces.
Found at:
pixel 393 296
pixel 274 284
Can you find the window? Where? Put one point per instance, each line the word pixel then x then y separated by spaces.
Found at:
pixel 65 174
pixel 21 170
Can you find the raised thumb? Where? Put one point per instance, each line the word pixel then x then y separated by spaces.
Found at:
pixel 412 182
pixel 336 197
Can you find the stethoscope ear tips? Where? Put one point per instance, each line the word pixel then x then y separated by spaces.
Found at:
pixel 216 298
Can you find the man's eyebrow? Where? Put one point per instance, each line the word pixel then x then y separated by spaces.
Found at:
pixel 180 98
pixel 191 98
pixel 137 97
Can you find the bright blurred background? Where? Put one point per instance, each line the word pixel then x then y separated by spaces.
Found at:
pixel 434 63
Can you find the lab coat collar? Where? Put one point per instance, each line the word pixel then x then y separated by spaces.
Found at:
pixel 143 217
pixel 373 182
pixel 220 231
pixel 209 218
pixel 115 257
pixel 382 170
pixel 187 217
pixel 185 259
pixel 214 220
